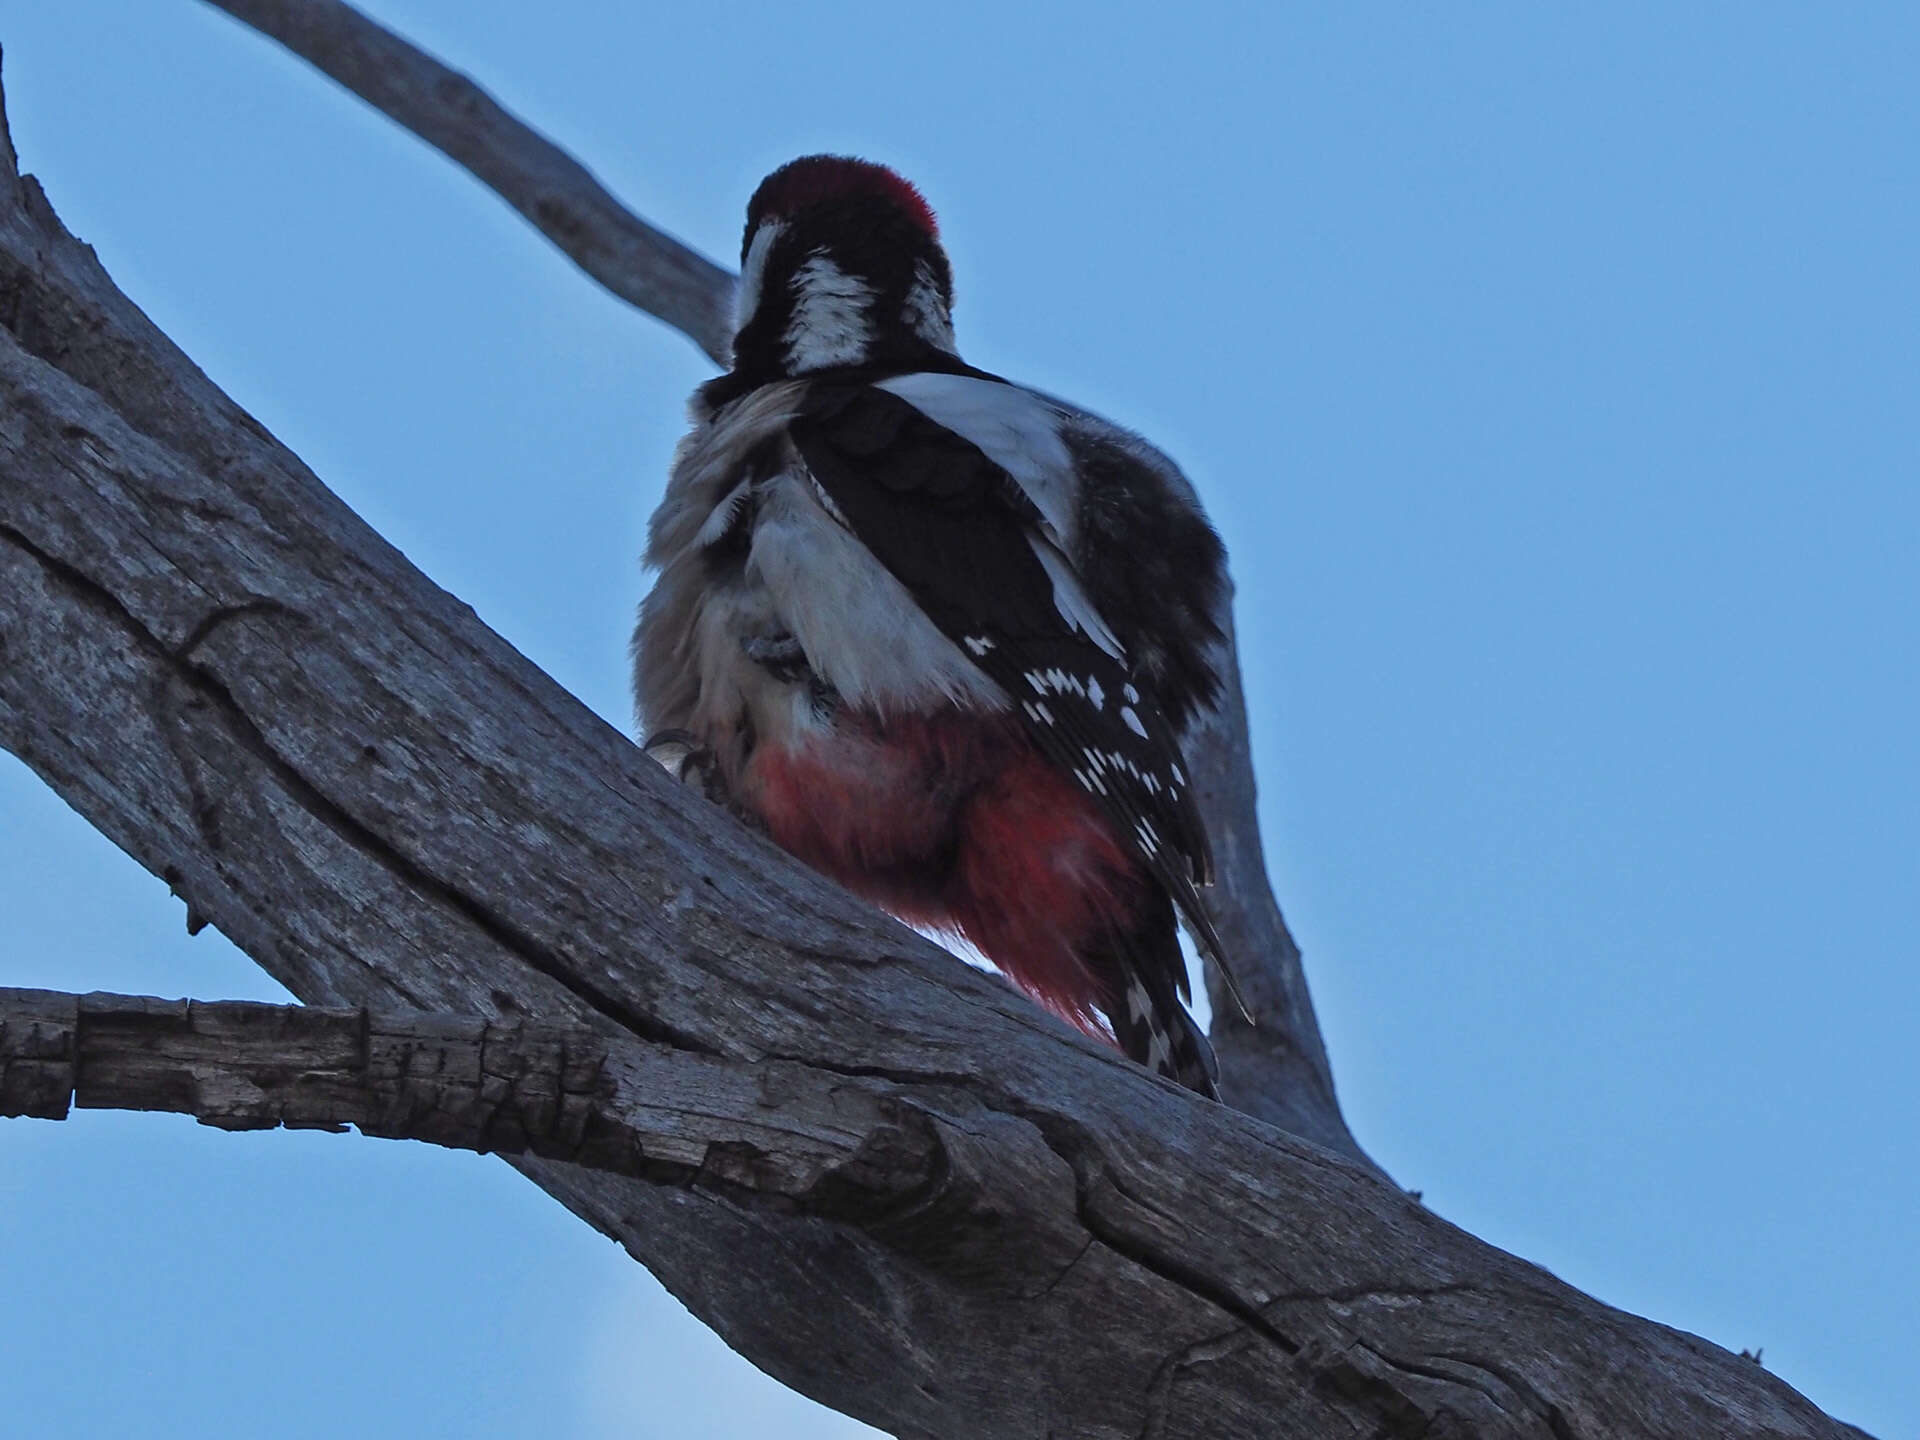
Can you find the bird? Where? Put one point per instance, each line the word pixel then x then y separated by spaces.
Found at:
pixel 939 635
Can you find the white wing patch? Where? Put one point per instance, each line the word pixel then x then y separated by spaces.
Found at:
pixel 1019 431
pixel 862 631
pixel 1016 429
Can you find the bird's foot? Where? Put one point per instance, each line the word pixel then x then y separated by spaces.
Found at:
pixel 682 756
pixel 779 655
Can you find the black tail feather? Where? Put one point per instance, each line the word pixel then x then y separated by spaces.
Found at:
pixel 1149 1022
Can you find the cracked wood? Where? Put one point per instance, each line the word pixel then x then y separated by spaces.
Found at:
pixel 621 1107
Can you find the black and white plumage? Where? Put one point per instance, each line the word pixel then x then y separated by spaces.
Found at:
pixel 938 633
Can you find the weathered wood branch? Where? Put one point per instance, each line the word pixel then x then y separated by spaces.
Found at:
pixel 385 805
pixel 556 193
pixel 622 1107
pixel 1276 1069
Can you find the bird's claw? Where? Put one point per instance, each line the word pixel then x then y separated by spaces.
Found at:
pixel 681 756
pixel 779 655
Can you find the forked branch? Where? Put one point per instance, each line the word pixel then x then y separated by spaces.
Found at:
pixel 1011 1232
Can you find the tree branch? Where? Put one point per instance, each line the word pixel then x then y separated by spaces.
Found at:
pixel 649 1112
pixel 385 805
pixel 1276 1069
pixel 556 194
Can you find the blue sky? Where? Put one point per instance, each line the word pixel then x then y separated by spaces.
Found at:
pixel 1551 374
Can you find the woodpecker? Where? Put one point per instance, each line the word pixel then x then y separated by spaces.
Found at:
pixel 938 634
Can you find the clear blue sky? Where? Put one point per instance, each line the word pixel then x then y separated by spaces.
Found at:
pixel 1552 374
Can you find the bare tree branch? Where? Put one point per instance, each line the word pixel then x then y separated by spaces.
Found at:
pixel 1276 1069
pixel 385 805
pixel 649 1112
pixel 556 193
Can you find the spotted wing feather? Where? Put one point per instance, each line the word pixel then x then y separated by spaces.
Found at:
pixel 967 543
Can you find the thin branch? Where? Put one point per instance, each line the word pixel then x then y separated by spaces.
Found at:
pixel 556 193
pixel 1277 1069
pixel 560 1092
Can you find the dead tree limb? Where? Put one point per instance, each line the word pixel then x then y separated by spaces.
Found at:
pixel 1276 1069
pixel 556 194
pixel 620 1107
pixel 385 805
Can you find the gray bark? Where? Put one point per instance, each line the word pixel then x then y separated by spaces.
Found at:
pixel 648 1112
pixel 385 805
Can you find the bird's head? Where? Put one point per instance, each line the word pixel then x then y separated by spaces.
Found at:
pixel 840 265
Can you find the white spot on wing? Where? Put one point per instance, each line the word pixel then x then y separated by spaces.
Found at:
pixel 1095 695
pixel 979 644
pixel 1159 1052
pixel 1132 721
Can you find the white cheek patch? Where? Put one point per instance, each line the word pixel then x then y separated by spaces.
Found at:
pixel 753 273
pixel 926 313
pixel 829 325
